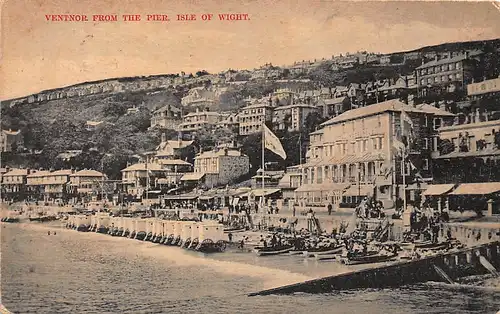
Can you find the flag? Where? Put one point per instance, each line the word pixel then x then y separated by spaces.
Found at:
pixel 404 136
pixel 272 142
pixel 415 173
pixel 406 129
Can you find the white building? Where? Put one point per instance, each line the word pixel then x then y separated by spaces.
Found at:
pixel 221 167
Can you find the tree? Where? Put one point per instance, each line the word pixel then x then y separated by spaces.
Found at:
pixel 313 121
pixel 202 73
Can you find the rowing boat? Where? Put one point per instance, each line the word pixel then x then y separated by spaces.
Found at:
pixel 367 259
pixel 326 250
pixel 272 251
pixel 335 251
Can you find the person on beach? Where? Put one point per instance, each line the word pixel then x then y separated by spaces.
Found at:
pixel 329 209
pixel 230 236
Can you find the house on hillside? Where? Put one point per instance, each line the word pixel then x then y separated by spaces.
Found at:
pixel 11 141
pixel 453 70
pixel 196 121
pixel 173 149
pixel 220 166
pixel 168 117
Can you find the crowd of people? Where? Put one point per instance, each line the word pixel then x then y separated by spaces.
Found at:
pixel 370 208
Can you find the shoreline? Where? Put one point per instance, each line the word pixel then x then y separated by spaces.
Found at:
pixel 271 277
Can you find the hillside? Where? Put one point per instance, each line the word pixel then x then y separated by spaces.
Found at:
pixel 56 121
pixel 59 125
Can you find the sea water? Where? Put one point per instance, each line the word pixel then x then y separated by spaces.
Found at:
pixel 75 272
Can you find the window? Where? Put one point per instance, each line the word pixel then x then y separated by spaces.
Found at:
pixel 374 143
pixel 437 123
pixel 426 164
pixel 365 145
pixel 426 143
pixel 380 143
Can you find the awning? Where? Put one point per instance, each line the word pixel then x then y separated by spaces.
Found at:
pixel 194 176
pixel 479 153
pixel 262 192
pixel 207 196
pixel 180 197
pixel 324 187
pixel 154 192
pixel 357 190
pixel 164 181
pixel 477 188
pixel 438 189
pixel 173 162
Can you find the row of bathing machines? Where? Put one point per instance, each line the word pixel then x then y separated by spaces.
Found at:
pixel 206 236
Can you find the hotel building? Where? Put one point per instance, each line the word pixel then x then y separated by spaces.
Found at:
pixel 353 155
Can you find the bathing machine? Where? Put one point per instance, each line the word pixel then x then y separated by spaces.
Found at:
pixel 187 226
pixel 211 238
pixel 140 229
pixel 82 223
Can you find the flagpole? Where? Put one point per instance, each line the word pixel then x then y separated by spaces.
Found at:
pixel 403 162
pixel 263 163
pixel 147 183
pixel 404 178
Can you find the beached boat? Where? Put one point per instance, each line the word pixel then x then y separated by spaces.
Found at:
pixel 334 251
pixel 323 250
pixel 326 257
pixel 272 250
pixel 293 252
pixel 368 258
pixel 234 230
pixel 11 220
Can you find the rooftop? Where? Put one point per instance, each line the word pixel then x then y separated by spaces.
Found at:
pixel 87 173
pixel 16 172
pixel 142 167
pixel 221 152
pixel 458 58
pixel 393 105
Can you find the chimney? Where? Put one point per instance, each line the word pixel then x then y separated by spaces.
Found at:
pixel 436 58
pixel 466 54
pixel 197 110
pixel 226 150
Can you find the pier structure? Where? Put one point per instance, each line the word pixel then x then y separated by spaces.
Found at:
pixel 447 268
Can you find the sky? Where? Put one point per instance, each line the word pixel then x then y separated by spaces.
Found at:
pixel 37 54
